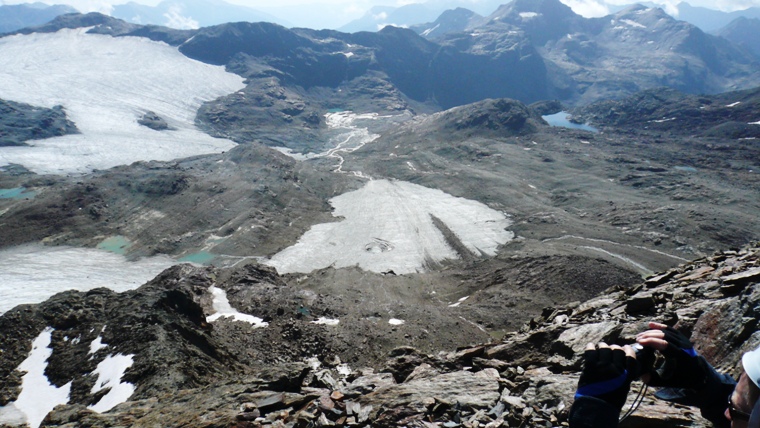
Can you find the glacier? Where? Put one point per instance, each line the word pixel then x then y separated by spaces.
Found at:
pixel 388 225
pixel 105 84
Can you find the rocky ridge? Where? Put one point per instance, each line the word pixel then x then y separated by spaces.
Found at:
pixel 526 378
pixel 22 122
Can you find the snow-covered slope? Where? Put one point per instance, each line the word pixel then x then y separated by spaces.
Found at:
pixel 105 85
pixel 390 225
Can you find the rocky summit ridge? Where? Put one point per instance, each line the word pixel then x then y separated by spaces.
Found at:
pixel 191 372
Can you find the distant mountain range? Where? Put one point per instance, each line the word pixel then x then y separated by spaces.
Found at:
pixel 529 50
pixel 14 17
pixel 416 13
pixel 711 20
pixel 745 32
pixel 191 14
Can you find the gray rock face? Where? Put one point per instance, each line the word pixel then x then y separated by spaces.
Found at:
pixel 744 32
pixel 153 121
pixel 611 57
pixel 21 122
pixel 726 116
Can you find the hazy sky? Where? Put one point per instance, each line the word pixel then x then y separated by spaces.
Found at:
pixel 356 8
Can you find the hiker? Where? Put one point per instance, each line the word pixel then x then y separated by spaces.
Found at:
pixel 686 377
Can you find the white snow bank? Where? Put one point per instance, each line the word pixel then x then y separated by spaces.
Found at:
pixel 387 225
pixel 223 309
pixel 105 85
pixel 734 104
pixel 33 273
pixel 633 23
pixel 755 123
pixel 459 302
pixel 326 321
pixel 110 372
pixel 38 397
pixel 96 345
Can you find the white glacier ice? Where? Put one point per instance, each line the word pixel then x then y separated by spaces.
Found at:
pixel 32 273
pixel 388 225
pixel 105 85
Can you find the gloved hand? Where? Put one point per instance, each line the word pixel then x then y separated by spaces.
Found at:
pixel 607 373
pixel 683 367
pixel 689 378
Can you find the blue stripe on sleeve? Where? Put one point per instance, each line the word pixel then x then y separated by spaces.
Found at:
pixel 601 388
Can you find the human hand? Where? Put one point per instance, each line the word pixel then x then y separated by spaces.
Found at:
pixel 607 373
pixel 683 367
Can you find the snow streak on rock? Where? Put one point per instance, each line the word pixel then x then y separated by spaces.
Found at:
pixel 224 309
pixel 38 396
pixel 388 225
pixel 110 372
pixel 106 85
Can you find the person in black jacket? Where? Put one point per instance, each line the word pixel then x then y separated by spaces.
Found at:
pixel 685 377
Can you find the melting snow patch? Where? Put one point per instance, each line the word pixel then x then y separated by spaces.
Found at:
pixel 633 23
pixel 344 369
pixel 389 225
pixel 326 321
pixel 528 15
pixel 110 372
pixel 105 84
pixel 97 345
pixel 394 321
pixel 429 30
pixel 459 302
pixel 734 104
pixel 37 397
pixel 223 309
pixel 755 123
pixel 313 362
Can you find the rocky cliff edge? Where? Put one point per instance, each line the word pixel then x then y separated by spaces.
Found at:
pixel 189 372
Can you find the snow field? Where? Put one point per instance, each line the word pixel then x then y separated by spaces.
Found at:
pixel 387 225
pixel 33 273
pixel 105 85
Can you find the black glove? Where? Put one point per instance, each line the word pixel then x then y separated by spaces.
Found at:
pixel 683 367
pixel 607 375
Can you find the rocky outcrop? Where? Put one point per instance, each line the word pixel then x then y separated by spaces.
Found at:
pixel 730 115
pixel 153 121
pixel 502 117
pixel 21 122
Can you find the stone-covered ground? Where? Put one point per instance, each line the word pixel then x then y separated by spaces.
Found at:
pixel 191 373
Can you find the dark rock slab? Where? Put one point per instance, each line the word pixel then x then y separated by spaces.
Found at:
pixel 22 122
